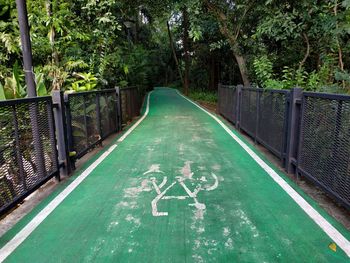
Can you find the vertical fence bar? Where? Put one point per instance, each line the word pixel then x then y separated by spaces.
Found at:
pixel 257 115
pixel 285 128
pixel 119 109
pixel 18 148
pixel 238 105
pixel 70 140
pixel 129 92
pixel 219 99
pixel 53 141
pixel 85 122
pixel 110 111
pixel 240 109
pixel 61 132
pixel 98 117
pixel 294 116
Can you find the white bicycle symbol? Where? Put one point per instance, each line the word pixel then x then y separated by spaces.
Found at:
pixel 187 176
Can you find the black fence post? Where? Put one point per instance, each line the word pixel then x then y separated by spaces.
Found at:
pixel 218 105
pixel 61 132
pixel 70 142
pixel 98 117
pixel 238 105
pixel 119 108
pixel 129 102
pixel 257 117
pixel 53 139
pixel 293 121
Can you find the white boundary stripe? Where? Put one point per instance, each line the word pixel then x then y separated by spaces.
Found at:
pixel 138 122
pixel 330 230
pixel 6 250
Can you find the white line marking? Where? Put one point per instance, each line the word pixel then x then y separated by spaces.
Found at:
pixel 156 199
pixel 122 138
pixel 330 230
pixel 187 174
pixel 154 168
pixel 153 179
pixel 36 221
pixel 179 197
pixel 215 185
pixel 163 183
pixel 6 250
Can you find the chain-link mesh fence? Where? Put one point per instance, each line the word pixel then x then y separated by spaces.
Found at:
pixel 262 114
pixel 324 147
pixel 28 154
pixel 91 117
pixel 248 117
pixel 272 120
pixel 131 100
pixel 227 102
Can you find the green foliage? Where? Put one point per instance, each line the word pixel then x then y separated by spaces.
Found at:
pixel 83 45
pixel 289 77
pixel 342 76
pixel 14 87
pixel 2 92
pixel 86 82
pixel 263 69
pixel 205 96
pixel 41 89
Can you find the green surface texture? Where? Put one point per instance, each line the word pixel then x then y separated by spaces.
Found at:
pixel 237 214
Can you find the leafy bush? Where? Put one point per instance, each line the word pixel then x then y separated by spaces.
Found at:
pixel 206 96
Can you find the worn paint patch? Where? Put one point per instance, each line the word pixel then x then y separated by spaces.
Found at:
pixel 186 176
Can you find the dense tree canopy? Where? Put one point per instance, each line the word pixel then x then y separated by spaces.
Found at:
pixel 87 44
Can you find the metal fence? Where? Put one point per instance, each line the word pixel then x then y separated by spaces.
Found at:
pixel 309 132
pixel 131 100
pixel 263 115
pixel 91 117
pixel 228 103
pixel 28 154
pixel 38 136
pixel 324 145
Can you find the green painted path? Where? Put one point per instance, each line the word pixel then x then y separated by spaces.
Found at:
pixel 179 188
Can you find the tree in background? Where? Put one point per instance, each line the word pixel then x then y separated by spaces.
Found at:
pixel 79 45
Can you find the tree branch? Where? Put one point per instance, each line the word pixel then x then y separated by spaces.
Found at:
pixel 307 53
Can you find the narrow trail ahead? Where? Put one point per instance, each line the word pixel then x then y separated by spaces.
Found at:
pixel 177 188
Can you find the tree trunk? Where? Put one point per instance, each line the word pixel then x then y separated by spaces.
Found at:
pixel 213 74
pixel 232 35
pixel 52 34
pixel 307 52
pixel 174 53
pixel 340 52
pixel 242 65
pixel 186 49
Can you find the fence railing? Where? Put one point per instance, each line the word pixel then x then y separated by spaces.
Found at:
pixel 228 103
pixel 131 100
pixel 308 132
pixel 42 137
pixel 263 115
pixel 28 155
pixel 324 144
pixel 91 117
